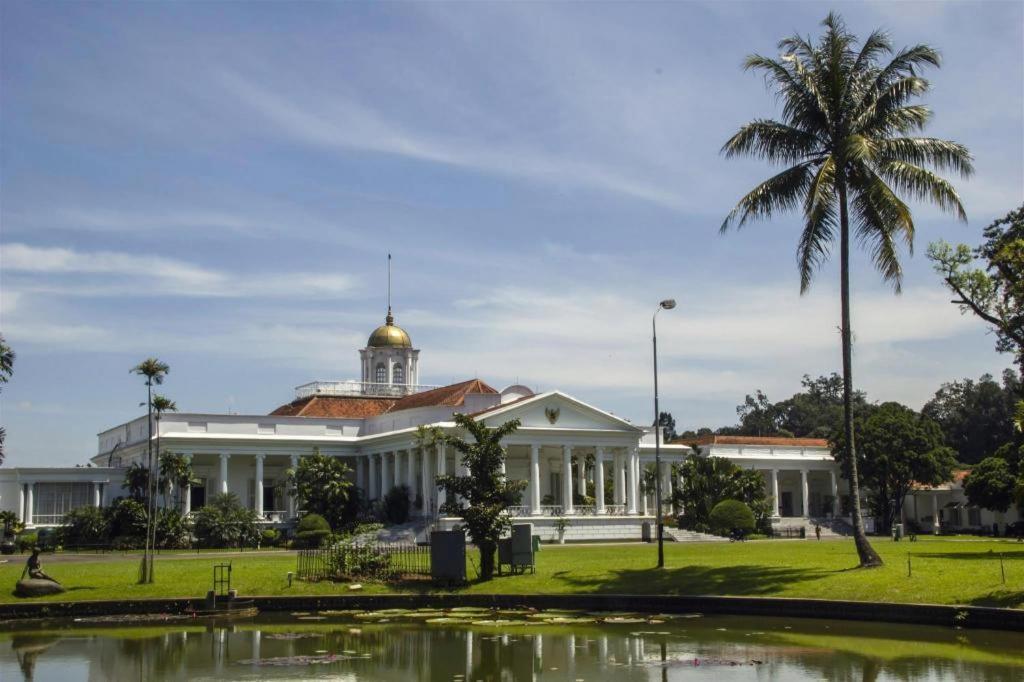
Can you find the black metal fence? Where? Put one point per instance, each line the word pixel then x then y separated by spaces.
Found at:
pixel 366 561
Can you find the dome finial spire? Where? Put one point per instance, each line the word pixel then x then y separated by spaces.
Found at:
pixel 390 319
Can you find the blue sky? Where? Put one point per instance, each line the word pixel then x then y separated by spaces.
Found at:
pixel 218 184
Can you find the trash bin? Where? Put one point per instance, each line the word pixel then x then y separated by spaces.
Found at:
pixel 803 532
pixel 536 543
pixel 645 531
pixel 897 532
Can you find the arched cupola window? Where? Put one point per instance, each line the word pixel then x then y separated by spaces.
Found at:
pixel 381 373
pixel 398 375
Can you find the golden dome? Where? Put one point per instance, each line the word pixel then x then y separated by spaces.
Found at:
pixel 389 335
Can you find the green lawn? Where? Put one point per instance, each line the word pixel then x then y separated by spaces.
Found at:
pixel 944 571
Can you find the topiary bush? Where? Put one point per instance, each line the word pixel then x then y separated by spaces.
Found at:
pixel 269 538
pixel 731 515
pixel 26 541
pixel 224 522
pixel 396 504
pixel 311 531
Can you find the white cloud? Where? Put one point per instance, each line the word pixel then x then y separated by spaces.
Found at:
pixel 108 273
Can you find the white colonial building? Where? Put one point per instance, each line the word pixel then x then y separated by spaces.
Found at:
pixel 564 446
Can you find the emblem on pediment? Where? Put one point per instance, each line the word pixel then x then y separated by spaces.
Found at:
pixel 552 413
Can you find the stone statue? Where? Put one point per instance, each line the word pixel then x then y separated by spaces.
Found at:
pixel 34 568
pixel 38 583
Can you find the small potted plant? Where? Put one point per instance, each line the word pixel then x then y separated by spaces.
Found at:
pixel 561 523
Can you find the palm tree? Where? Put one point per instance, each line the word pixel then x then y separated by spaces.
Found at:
pixel 6 370
pixel 847 135
pixel 162 404
pixel 177 469
pixel 154 371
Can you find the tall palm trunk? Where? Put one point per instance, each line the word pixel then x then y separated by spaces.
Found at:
pixel 867 554
pixel 144 568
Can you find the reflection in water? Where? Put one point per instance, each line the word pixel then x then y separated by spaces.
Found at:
pixel 341 647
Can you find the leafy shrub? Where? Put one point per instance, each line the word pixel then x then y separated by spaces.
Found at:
pixel 269 538
pixel 396 504
pixel 311 531
pixel 224 522
pixel 173 530
pixel 85 526
pixel 731 515
pixel 10 524
pixel 26 541
pixel 126 518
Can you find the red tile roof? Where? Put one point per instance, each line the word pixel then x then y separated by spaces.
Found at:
pixel 756 440
pixel 360 407
pixel 449 396
pixel 335 407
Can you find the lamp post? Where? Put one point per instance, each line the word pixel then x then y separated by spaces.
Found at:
pixel 667 304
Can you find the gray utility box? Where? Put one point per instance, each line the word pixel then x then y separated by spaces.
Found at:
pixel 645 531
pixel 448 556
pixel 516 551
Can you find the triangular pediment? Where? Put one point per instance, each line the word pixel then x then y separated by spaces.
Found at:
pixel 556 410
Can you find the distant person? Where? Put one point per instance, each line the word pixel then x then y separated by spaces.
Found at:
pixel 817 531
pixel 34 568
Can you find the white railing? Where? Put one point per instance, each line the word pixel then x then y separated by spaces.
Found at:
pixel 275 516
pixel 47 519
pixel 522 510
pixel 358 388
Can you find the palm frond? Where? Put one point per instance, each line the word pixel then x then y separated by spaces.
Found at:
pixel 881 219
pixel 778 193
pixel 941 154
pixel 819 223
pixel 922 184
pixel 772 141
pixel 801 104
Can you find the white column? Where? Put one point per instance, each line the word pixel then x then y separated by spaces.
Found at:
pixel 567 505
pixel 361 474
pixel 224 471
pixel 631 483
pixel 666 484
pixel 384 474
pixel 425 480
pixel 834 489
pixel 534 479
pixel 293 506
pixel 581 474
pixel 188 500
pixel 806 492
pixel 936 526
pixel 29 511
pixel 21 502
pixel 442 465
pixel 410 473
pixel 775 492
pixel 599 479
pixel 619 480
pixel 258 487
pixel 373 481
pixel 644 495
pixel 96 495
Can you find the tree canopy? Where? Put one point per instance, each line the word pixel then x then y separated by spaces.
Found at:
pixel 988 280
pixel 976 417
pixel 322 483
pixel 706 481
pixel 898 448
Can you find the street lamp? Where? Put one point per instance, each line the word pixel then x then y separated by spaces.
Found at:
pixel 667 304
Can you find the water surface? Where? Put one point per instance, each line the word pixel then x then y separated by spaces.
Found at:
pixel 473 644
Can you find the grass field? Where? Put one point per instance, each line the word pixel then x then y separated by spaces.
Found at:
pixel 942 571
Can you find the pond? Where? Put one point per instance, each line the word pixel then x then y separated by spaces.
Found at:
pixel 463 645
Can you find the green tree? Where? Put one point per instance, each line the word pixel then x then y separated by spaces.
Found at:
pixel 898 448
pixel 668 427
pixel 481 499
pixel 710 480
pixel 176 470
pixel 322 484
pixel 976 417
pixel 991 484
pixel 847 136
pixel 85 526
pixel 6 371
pixel 989 280
pixel 10 524
pixel 136 481
pixel 154 371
